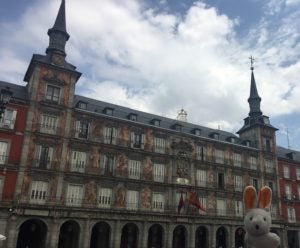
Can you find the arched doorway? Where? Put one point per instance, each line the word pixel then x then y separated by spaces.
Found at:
pixel 100 235
pixel 129 238
pixel 69 235
pixel 201 237
pixel 155 236
pixel 221 239
pixel 179 237
pixel 239 238
pixel 32 233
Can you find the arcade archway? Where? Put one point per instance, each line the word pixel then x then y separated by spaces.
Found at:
pixel 129 238
pixel 201 240
pixel 179 237
pixel 69 235
pixel 155 236
pixel 100 235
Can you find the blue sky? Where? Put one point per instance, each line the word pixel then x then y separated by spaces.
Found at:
pixel 158 56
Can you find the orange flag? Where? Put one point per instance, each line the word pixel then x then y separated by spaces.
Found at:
pixel 193 199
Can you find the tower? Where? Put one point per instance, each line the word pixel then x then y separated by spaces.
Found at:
pixel 260 134
pixel 50 86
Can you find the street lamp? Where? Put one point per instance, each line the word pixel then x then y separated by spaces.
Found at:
pixel 5 96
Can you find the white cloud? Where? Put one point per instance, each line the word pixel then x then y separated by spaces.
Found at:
pixel 159 62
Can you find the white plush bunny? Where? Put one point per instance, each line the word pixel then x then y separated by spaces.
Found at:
pixel 258 221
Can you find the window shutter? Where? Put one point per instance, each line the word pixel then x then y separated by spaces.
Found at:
pixel 114 135
pixel 50 154
pixel 143 136
pixel 103 162
pixel 77 128
pixel 132 135
pixel 13 119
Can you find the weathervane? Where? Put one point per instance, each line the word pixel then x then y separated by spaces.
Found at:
pixel 252 62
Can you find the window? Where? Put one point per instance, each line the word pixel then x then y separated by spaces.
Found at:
pixel 221 181
pixel 237 159
pixel 132 198
pixel 197 132
pixel 1 186
pixel 269 166
pixel 267 142
pixel 3 152
pixel 238 208
pixel 158 202
pixel 288 192
pixel 82 105
pixel 291 214
pixel 52 93
pixel 78 161
pixel 221 207
pixel 271 185
pixel 74 195
pixel 134 169
pixel 110 135
pixel 158 172
pixel 82 129
pixel 49 124
pixel 253 162
pixel 108 163
pixel 220 156
pixel 298 173
pixel 8 119
pixel 159 145
pixel 156 122
pixel 203 201
pixel 238 183
pixel 201 153
pixel 254 183
pixel 273 211
pixel 38 192
pixel 137 140
pixel 108 111
pixel 44 156
pixel 201 178
pixel 104 197
pixel 132 117
pixel 286 172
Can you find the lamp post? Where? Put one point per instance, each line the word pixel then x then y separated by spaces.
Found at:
pixel 5 96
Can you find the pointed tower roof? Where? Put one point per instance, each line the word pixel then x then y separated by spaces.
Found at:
pixel 254 99
pixel 58 35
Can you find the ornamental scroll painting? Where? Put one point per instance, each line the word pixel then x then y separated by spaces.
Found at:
pixel 182 162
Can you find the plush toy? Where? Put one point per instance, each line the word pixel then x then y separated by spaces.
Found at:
pixel 258 221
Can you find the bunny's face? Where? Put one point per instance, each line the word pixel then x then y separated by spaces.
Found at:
pixel 257 222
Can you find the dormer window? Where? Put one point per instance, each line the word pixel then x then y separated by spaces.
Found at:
pixel 155 122
pixel 290 155
pixel 247 143
pixel 132 117
pixel 231 139
pixel 215 135
pixel 177 127
pixel 197 132
pixel 108 111
pixel 82 105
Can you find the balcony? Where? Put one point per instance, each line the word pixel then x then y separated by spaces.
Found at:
pixel 73 204
pixel 7 124
pixel 46 129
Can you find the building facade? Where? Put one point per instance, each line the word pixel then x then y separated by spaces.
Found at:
pixel 94 174
pixel 289 186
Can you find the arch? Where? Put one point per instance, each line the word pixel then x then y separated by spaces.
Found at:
pixel 69 235
pixel 129 237
pixel 179 237
pixel 155 236
pixel 32 233
pixel 201 240
pixel 221 238
pixel 239 238
pixel 100 235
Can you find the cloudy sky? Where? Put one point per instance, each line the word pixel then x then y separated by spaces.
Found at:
pixel 160 55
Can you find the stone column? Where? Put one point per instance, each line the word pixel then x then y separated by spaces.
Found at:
pixel 192 236
pixel 85 235
pixel 143 240
pixel 117 234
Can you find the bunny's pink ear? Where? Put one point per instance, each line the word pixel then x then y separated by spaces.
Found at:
pixel 264 197
pixel 250 197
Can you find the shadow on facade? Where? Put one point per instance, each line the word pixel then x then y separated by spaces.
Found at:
pixel 69 235
pixel 32 233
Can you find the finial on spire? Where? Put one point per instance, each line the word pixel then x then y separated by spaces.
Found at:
pixel 252 62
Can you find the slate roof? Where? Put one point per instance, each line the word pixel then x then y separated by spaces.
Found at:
pixel 19 91
pixel 120 112
pixel 285 153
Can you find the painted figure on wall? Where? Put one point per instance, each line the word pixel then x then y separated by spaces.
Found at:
pixel 122 168
pixel 91 192
pixel 146 198
pixel 120 197
pixel 95 157
pixel 148 167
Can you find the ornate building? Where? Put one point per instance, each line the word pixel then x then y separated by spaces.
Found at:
pixel 289 186
pixel 93 174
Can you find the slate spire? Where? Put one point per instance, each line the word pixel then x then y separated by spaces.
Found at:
pixel 58 35
pixel 254 99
